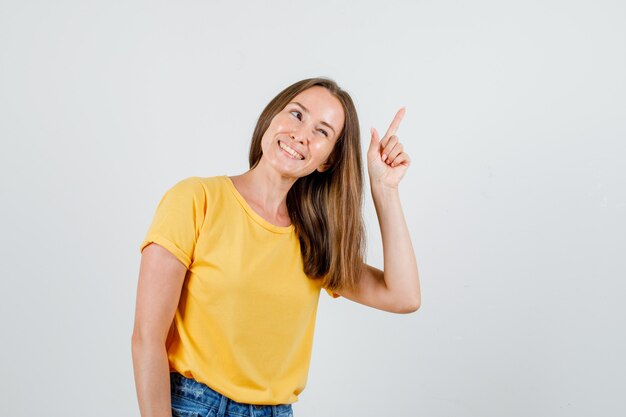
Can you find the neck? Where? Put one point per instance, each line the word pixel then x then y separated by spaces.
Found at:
pixel 267 189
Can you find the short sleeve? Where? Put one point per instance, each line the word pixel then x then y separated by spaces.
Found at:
pixel 332 294
pixel 178 219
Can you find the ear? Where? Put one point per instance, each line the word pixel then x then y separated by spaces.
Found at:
pixel 329 162
pixel 323 167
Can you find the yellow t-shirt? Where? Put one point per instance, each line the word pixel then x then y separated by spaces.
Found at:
pixel 245 320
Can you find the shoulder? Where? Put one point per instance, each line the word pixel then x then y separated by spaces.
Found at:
pixel 190 187
pixel 195 185
pixel 204 191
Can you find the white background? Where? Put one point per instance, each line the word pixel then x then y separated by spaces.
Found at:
pixel 515 199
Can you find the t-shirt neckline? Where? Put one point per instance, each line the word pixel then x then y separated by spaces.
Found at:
pixel 255 216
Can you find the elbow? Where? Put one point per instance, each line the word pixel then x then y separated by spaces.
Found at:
pixel 145 347
pixel 410 307
pixel 413 304
pixel 146 339
pixel 135 343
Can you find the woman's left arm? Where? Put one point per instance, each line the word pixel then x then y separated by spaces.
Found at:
pixel 400 274
pixel 397 288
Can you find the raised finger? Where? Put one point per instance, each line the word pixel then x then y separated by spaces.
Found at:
pixel 395 123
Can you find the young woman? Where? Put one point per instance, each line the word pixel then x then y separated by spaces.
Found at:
pixel 232 267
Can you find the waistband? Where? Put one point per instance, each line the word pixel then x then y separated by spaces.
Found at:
pixel 199 392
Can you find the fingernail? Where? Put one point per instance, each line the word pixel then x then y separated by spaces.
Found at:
pixel 384 157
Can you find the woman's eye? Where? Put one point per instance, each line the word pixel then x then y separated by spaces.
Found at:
pixel 324 132
pixel 295 111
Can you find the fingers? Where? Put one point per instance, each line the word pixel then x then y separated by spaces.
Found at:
pixel 401 159
pixel 389 147
pixel 392 146
pixel 393 149
pixel 375 145
pixel 395 123
pixel 375 139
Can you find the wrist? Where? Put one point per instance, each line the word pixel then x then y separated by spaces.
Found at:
pixel 382 192
pixel 379 186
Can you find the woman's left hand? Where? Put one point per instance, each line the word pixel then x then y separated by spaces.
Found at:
pixel 386 160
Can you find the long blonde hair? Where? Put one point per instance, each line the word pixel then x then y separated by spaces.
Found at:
pixel 325 207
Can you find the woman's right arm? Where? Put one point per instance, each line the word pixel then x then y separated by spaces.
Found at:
pixel 161 277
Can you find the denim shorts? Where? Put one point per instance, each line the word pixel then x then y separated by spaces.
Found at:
pixel 191 398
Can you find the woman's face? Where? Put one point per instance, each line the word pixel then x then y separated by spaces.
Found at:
pixel 301 137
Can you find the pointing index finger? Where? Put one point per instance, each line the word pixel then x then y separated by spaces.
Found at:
pixel 393 127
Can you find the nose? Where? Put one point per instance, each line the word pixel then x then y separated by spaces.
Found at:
pixel 298 134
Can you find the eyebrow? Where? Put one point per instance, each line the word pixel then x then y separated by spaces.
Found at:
pixel 307 110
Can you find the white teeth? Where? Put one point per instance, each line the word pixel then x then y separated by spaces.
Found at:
pixel 290 151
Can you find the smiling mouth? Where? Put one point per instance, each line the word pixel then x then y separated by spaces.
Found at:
pixel 292 153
